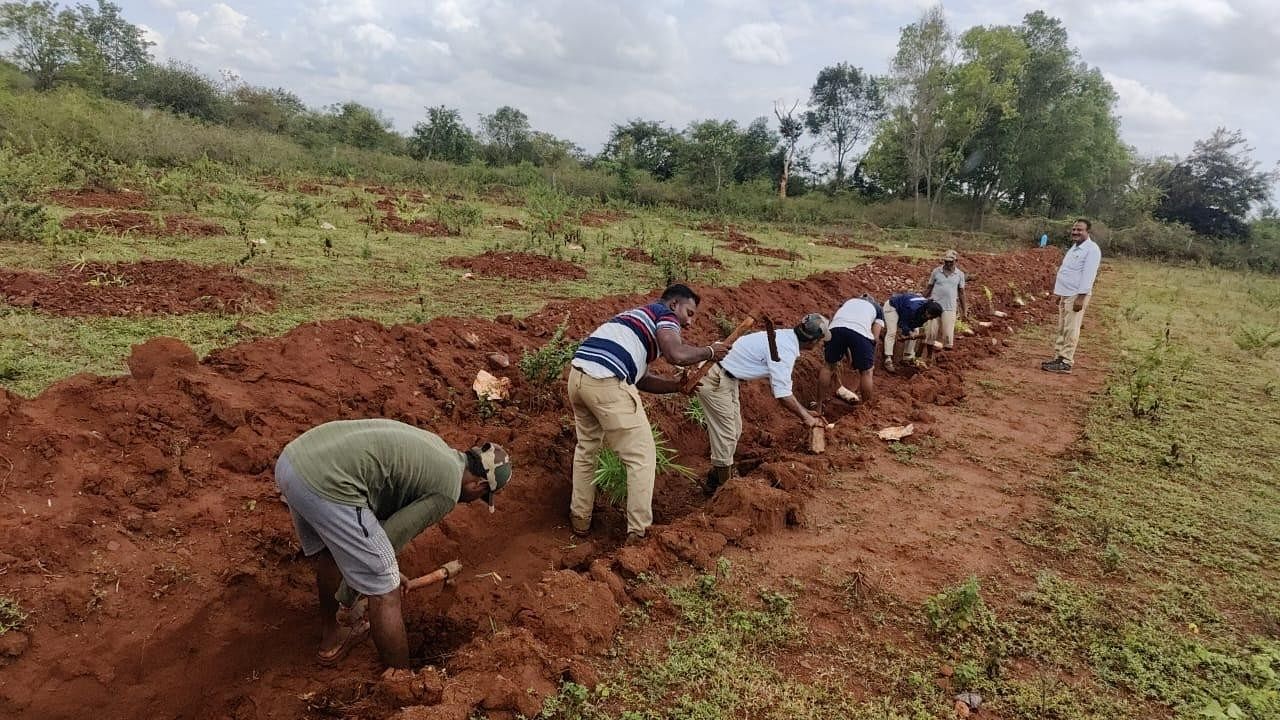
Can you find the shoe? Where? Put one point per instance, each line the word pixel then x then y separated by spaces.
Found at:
pixel 1047 363
pixel 848 395
pixel 888 366
pixel 581 526
pixel 1060 366
pixel 634 538
pixel 716 477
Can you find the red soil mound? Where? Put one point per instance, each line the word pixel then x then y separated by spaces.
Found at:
pixel 517 266
pixel 748 249
pixel 96 198
pixel 149 287
pixel 600 218
pixel 635 254
pixel 192 226
pixel 152 542
pixel 126 222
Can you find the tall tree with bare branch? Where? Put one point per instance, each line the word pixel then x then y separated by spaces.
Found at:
pixel 791 128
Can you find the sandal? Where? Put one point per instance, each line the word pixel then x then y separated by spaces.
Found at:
pixel 356 634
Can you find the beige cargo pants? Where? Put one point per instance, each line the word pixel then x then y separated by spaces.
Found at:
pixel 610 412
pixel 891 334
pixel 718 395
pixel 1064 345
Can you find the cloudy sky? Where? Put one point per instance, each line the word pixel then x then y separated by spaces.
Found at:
pixel 1180 67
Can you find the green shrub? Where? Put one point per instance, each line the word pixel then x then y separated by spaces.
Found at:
pixel 957 609
pixel 26 222
pixel 542 367
pixel 11 615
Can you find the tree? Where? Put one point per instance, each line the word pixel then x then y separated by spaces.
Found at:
pixel 180 88
pixel 94 46
pixel 754 149
pixel 362 127
pixel 645 145
pixel 507 136
pixel 443 136
pixel 790 129
pixel 709 152
pixel 844 105
pixel 108 48
pixel 1215 187
pixel 43 45
pixel 920 70
pixel 270 109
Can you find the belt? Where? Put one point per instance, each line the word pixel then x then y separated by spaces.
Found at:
pixel 726 372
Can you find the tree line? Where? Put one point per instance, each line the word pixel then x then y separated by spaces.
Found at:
pixel 1006 118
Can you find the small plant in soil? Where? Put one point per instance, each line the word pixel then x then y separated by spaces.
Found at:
pixel 542 367
pixel 696 412
pixel 11 614
pixel 724 325
pixel 457 217
pixel 957 609
pixel 299 211
pixel 611 474
pixel 366 251
pixel 1256 337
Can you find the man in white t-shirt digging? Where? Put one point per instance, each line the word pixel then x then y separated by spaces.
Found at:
pixel 749 359
pixel 855 329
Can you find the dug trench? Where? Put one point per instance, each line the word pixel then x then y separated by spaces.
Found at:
pixel 146 538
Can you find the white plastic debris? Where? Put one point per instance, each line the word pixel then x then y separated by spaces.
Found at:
pixel 897 432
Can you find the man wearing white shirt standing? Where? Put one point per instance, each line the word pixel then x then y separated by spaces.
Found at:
pixel 749 359
pixel 1073 287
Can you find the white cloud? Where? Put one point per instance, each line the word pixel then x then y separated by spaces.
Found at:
pixel 450 15
pixel 1140 104
pixel 375 36
pixel 757 44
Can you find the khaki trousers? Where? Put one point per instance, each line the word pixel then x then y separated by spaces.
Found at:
pixel 943 328
pixel 718 395
pixel 891 334
pixel 1064 345
pixel 610 412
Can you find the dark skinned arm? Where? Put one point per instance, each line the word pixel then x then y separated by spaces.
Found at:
pixel 789 402
pixel 659 385
pixel 964 307
pixel 678 353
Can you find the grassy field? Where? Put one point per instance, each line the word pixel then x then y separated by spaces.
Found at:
pixel 388 276
pixel 1157 593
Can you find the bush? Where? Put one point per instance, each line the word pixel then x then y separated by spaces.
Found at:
pixel 25 222
pixel 611 474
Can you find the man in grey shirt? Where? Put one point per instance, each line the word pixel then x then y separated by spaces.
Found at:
pixel 946 287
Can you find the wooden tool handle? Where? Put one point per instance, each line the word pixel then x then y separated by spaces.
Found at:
pixel 695 375
pixel 440 574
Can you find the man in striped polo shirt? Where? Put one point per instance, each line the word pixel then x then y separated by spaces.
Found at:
pixel 608 371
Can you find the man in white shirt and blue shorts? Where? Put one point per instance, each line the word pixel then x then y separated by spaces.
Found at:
pixel 855 329
pixel 750 359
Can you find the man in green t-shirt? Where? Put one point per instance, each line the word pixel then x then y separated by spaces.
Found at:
pixel 359 491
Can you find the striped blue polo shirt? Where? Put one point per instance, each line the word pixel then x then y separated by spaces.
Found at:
pixel 624 346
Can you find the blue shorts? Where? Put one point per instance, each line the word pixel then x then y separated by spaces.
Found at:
pixel 844 342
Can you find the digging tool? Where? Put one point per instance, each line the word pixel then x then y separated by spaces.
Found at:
pixel 444 573
pixel 771 334
pixel 818 438
pixel 695 375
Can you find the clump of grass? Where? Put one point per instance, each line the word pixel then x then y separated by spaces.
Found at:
pixel 11 614
pixel 611 474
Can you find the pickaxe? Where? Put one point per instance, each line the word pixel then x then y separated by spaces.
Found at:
pixel 444 573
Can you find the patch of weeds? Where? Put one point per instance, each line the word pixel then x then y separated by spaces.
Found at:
pixel 11 614
pixel 1111 559
pixel 904 453
pixel 1150 380
pixel 300 210
pixel 1252 337
pixel 724 325
pixel 957 609
pixel 366 251
pixel 458 217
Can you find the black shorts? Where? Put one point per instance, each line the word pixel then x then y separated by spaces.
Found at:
pixel 860 350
